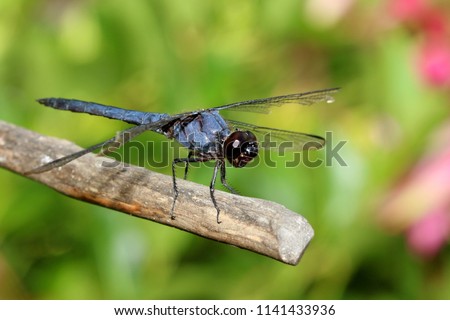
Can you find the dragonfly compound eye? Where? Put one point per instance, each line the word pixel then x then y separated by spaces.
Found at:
pixel 240 148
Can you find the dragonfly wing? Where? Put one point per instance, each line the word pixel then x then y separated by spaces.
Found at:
pixel 106 146
pixel 264 105
pixel 275 139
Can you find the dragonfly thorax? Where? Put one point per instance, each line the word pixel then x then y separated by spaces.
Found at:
pixel 240 147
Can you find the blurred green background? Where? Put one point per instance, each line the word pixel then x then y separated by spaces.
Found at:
pixel 174 56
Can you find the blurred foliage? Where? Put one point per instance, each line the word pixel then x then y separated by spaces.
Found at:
pixel 174 56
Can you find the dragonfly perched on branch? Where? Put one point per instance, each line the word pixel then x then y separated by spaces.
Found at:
pixel 205 133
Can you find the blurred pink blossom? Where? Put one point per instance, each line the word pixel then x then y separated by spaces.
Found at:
pixel 433 23
pixel 429 234
pixel 430 25
pixel 406 10
pixel 434 62
pixel 420 204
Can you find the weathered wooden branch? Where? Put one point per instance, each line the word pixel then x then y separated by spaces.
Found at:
pixel 254 224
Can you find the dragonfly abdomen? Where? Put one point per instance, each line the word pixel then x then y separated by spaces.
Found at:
pixel 129 116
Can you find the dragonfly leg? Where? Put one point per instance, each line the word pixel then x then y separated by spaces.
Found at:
pixel 224 180
pixel 187 165
pixel 175 188
pixel 219 163
pixel 174 177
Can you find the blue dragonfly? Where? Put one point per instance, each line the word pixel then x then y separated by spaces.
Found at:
pixel 205 133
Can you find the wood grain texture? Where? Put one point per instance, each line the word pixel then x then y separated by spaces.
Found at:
pixel 258 225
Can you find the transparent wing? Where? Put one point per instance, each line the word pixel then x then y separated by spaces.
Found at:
pixel 264 105
pixel 106 146
pixel 275 139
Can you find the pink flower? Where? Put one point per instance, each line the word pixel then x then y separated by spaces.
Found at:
pixel 429 234
pixel 432 29
pixel 433 23
pixel 420 204
pixel 407 10
pixel 434 62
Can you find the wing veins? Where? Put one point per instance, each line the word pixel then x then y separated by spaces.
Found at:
pixel 299 140
pixel 263 105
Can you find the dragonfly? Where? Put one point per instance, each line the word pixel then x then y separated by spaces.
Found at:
pixel 205 133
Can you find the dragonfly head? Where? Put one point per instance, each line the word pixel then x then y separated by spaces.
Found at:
pixel 240 148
